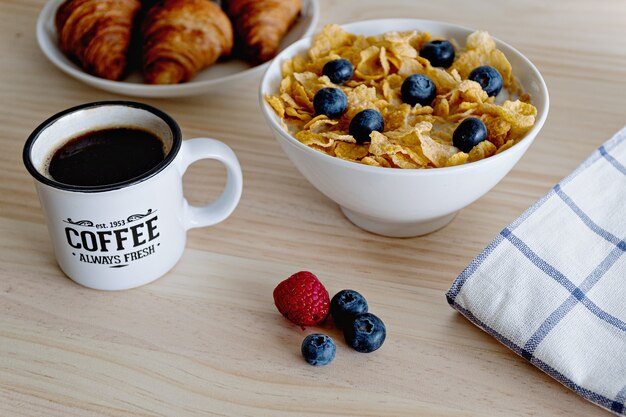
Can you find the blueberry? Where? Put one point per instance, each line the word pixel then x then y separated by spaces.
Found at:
pixel 318 349
pixel 440 53
pixel 364 123
pixel 489 79
pixel 366 333
pixel 418 88
pixel 345 305
pixel 330 101
pixel 469 133
pixel 338 70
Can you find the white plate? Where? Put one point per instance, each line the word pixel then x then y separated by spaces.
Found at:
pixel 210 78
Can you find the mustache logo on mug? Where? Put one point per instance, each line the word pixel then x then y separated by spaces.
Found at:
pixel 109 178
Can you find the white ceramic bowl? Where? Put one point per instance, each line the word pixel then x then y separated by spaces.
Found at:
pixel 397 202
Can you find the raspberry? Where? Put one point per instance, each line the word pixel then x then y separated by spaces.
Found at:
pixel 302 299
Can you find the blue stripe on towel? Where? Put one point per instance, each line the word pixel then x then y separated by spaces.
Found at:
pixel 612 160
pixel 605 234
pixel 620 398
pixel 538 261
pixel 546 327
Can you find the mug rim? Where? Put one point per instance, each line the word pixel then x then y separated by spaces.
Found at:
pixel 32 138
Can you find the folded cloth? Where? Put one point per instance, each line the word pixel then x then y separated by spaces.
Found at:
pixel 552 285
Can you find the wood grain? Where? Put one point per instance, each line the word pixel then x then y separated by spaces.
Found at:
pixel 206 338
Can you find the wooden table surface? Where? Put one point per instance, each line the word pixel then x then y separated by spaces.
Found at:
pixel 206 338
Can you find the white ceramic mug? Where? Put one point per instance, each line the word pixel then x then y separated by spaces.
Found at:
pixel 127 234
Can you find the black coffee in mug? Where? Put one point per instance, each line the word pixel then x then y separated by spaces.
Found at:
pixel 106 156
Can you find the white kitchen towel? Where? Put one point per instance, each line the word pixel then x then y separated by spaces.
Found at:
pixel 552 285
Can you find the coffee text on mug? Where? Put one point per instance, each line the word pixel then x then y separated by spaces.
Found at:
pixel 116 246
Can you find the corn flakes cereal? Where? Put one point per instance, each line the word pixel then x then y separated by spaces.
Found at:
pixel 414 137
pixel 481 151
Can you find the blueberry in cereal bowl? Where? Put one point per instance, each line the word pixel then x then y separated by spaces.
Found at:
pixel 331 102
pixel 422 152
pixel 418 88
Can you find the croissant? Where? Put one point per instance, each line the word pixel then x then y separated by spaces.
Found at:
pixel 181 37
pixel 97 33
pixel 262 24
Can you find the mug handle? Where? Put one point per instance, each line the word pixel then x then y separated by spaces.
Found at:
pixel 216 211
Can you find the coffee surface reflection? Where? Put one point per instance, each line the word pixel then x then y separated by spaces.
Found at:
pixel 105 157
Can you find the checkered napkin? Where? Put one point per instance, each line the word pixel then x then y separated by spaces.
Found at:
pixel 552 285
